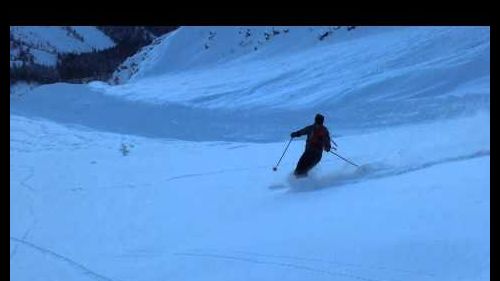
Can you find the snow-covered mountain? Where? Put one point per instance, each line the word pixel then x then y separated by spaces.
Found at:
pixel 42 44
pixel 74 54
pixel 300 70
pixel 191 47
pixel 168 174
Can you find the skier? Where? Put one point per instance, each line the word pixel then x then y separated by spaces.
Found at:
pixel 318 139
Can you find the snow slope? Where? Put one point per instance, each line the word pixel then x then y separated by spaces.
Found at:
pixel 202 47
pixel 398 62
pixel 45 42
pixel 195 197
pixel 215 210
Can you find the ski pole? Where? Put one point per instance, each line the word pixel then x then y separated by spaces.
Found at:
pixel 343 158
pixel 331 140
pixel 276 167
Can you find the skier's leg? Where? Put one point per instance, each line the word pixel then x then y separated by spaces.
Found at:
pixel 301 169
pixel 313 160
pixel 316 158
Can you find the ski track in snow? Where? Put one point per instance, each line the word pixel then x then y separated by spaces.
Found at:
pixel 478 154
pixel 60 257
pixel 376 267
pixel 150 184
pixel 30 189
pixel 213 173
pixel 25 236
pixel 328 181
pixel 30 175
pixel 30 208
pixel 281 264
pixel 314 260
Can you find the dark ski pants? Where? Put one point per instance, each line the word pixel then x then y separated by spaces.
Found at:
pixel 307 161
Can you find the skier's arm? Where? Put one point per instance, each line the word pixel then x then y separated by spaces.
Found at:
pixel 328 141
pixel 301 132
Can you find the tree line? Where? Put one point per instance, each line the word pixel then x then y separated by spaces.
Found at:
pixel 95 65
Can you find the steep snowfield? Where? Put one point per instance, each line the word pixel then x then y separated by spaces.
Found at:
pixel 202 47
pixel 395 66
pixel 195 197
pixel 45 42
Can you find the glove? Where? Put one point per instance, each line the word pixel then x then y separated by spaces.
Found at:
pixel 293 135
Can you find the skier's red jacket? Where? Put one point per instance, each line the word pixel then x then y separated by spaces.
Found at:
pixel 318 137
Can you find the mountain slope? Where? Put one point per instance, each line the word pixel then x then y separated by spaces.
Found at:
pixel 41 44
pixel 190 47
pixel 75 54
pixel 399 64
